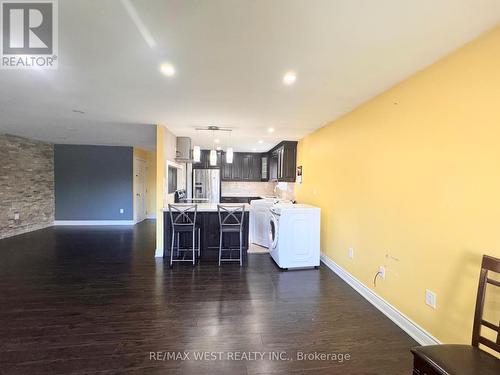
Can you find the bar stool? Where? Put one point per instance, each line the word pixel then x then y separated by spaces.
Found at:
pixel 183 220
pixel 231 221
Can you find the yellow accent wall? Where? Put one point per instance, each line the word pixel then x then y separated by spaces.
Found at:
pixel 160 185
pixel 151 158
pixel 166 143
pixel 411 180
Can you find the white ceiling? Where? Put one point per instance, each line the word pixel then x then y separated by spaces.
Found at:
pixel 230 57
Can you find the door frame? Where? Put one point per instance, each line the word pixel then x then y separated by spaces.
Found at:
pixel 138 160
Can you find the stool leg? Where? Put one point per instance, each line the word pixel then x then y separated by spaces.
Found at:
pixel 220 246
pixel 241 248
pixel 199 243
pixel 172 248
pixel 178 244
pixel 194 258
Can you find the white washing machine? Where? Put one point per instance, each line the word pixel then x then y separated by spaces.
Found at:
pixel 294 235
pixel 259 220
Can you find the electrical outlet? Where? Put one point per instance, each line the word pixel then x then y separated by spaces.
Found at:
pixel 430 298
pixel 122 210
pixel 350 252
pixel 381 271
pixel 16 215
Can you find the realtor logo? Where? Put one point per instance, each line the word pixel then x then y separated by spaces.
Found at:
pixel 28 34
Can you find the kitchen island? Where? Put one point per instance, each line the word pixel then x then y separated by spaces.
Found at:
pixel 207 218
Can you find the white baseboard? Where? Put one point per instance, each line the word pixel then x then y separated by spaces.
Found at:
pixel 406 324
pixel 94 222
pixel 151 216
pixel 159 253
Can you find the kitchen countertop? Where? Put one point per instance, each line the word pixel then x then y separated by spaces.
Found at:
pixel 211 207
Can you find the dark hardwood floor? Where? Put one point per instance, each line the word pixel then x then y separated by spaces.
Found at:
pixel 94 300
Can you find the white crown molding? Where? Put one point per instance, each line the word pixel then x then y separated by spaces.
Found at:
pixel 406 324
pixel 94 222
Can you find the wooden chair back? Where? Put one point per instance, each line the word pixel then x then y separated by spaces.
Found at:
pixel 489 265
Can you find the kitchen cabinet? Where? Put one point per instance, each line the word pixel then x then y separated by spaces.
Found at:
pixel 273 166
pixel 245 167
pixel 256 170
pixel 250 167
pixel 283 162
pixel 264 170
pixel 227 169
pixel 279 164
pixel 204 162
pixel 209 228
pixel 237 172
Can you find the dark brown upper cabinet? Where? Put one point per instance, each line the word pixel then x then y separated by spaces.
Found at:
pixel 283 162
pixel 264 167
pixel 279 164
pixel 245 167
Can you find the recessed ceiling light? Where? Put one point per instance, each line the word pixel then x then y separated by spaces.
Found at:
pixel 217 140
pixel 167 69
pixel 260 141
pixel 270 130
pixel 289 78
pixel 254 149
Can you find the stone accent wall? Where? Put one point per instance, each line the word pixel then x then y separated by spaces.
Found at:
pixel 26 185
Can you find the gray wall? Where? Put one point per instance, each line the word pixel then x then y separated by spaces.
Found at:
pixel 26 185
pixel 93 182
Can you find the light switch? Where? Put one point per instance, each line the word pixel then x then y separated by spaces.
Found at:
pixel 351 253
pixel 430 298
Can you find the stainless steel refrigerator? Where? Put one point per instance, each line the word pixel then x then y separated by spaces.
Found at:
pixel 206 185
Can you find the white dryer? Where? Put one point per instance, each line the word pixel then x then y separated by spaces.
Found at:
pixel 294 235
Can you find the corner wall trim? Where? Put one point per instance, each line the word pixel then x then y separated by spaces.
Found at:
pixel 406 324
pixel 159 253
pixel 94 222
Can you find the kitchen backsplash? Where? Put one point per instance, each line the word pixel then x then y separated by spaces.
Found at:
pixel 282 190
pixel 247 189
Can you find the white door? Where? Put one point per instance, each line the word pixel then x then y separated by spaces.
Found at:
pixel 140 190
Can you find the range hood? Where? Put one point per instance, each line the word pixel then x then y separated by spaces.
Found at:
pixel 183 154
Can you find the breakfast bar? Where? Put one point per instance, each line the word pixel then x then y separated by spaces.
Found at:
pixel 207 218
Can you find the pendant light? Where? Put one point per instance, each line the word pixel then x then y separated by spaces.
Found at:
pixel 213 158
pixel 213 153
pixel 229 152
pixel 196 154
pixel 229 155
